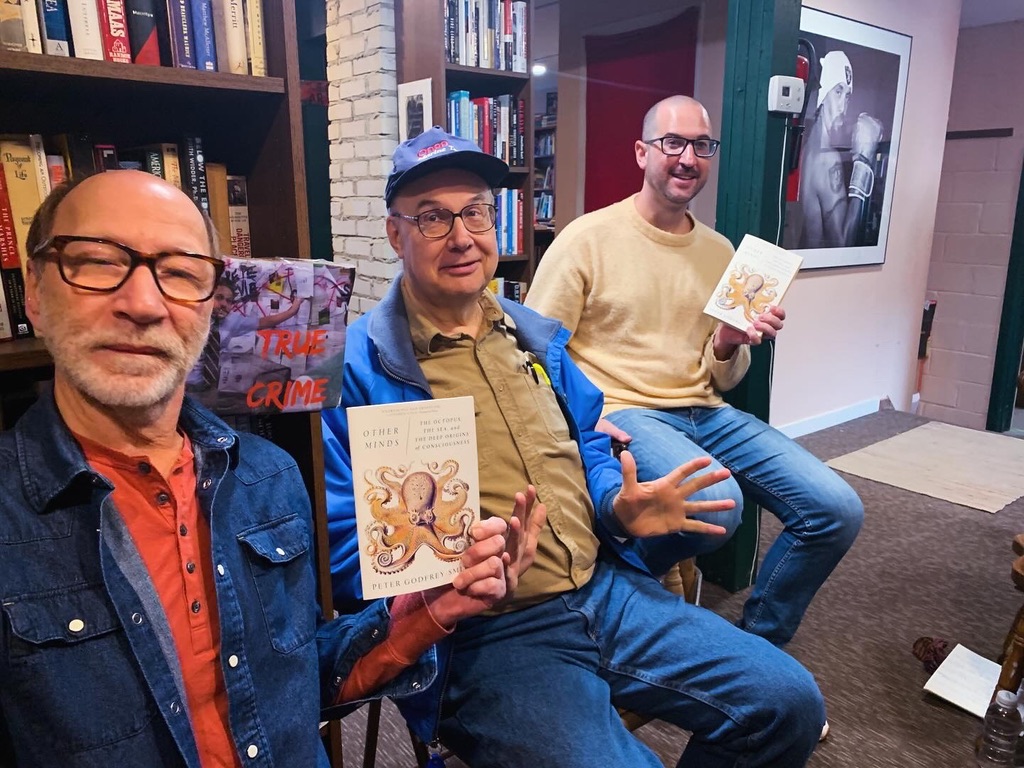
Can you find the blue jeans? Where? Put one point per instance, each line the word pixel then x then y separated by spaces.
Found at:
pixel 538 687
pixel 820 513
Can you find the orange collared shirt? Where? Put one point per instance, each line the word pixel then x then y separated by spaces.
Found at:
pixel 173 538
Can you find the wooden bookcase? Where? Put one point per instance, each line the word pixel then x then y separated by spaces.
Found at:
pixel 420 37
pixel 544 229
pixel 251 124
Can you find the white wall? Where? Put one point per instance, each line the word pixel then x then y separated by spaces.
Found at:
pixel 851 337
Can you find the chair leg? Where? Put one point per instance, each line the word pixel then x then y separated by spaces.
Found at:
pixel 372 732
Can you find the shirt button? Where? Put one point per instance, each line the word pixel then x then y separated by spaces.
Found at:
pixel 375 634
pixel 137 618
pixel 144 468
pixel 97 481
pixel 183 530
pixel 196 606
pixel 190 567
pixel 253 750
pixel 224 440
pixel 76 625
pixel 280 551
pixel 175 707
pixel 163 497
pixel 232 661
pixel 207 483
pixel 415 686
pixel 220 570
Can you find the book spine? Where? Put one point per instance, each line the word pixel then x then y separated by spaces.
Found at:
pixel 55 27
pixel 143 31
pixel 86 37
pixel 35 142
pixel 13 288
pixel 153 162
pixel 115 33
pixel 30 21
pixel 13 24
pixel 201 192
pixel 180 28
pixel 254 36
pixel 189 167
pixel 21 185
pixel 519 56
pixel 106 157
pixel 229 26
pixel 238 216
pixel 56 170
pixel 172 168
pixel 203 35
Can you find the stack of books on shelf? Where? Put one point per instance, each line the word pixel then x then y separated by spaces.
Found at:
pixel 510 289
pixel 31 164
pixel 486 33
pixel 210 35
pixel 508 225
pixel 497 124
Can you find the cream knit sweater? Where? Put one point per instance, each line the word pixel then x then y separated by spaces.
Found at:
pixel 633 297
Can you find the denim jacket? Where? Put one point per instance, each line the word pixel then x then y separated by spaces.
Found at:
pixel 381 367
pixel 89 675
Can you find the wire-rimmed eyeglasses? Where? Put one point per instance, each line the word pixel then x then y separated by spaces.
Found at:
pixel 96 264
pixel 673 146
pixel 438 222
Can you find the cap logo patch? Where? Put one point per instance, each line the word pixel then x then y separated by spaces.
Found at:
pixel 433 149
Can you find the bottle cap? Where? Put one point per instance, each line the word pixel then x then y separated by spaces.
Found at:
pixel 1006 699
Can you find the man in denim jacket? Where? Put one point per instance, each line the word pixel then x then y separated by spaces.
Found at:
pixel 157 591
pixel 535 682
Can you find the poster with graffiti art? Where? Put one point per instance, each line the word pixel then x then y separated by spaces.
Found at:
pixel 757 278
pixel 277 337
pixel 417 492
pixel 839 189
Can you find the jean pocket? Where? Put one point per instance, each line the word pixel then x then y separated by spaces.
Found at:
pixel 283 574
pixel 70 666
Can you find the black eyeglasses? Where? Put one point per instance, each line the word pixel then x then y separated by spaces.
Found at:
pixel 95 264
pixel 674 146
pixel 438 222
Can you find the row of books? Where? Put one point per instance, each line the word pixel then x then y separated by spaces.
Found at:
pixel 30 165
pixel 544 178
pixel 544 145
pixel 486 33
pixel 508 225
pixel 211 35
pixel 496 123
pixel 509 289
pixel 544 206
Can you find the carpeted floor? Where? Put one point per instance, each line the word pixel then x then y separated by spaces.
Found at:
pixel 920 567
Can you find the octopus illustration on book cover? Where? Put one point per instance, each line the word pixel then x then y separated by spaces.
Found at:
pixel 748 290
pixel 414 509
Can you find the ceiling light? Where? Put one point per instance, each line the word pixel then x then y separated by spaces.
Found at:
pixel 539 69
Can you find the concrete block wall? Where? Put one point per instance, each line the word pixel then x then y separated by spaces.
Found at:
pixel 363 130
pixel 973 226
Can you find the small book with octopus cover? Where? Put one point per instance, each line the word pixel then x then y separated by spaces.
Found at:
pixel 757 277
pixel 416 488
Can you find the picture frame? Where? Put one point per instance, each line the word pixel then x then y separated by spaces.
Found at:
pixel 840 187
pixel 415 108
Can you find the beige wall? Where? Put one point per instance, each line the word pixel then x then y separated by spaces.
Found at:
pixel 852 334
pixel 605 17
pixel 973 224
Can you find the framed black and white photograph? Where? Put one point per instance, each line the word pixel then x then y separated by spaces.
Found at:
pixel 414 108
pixel 839 195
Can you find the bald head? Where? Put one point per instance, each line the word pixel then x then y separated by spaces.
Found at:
pixel 660 114
pixel 111 192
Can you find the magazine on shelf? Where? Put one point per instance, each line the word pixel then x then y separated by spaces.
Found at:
pixel 416 488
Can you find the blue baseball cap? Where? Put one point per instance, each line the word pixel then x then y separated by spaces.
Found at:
pixel 435 150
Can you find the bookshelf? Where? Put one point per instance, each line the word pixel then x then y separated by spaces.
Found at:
pixel 251 124
pixel 420 35
pixel 543 185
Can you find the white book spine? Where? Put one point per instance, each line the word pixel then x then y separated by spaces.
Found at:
pixel 42 171
pixel 519 36
pixel 84 16
pixel 254 33
pixel 30 19
pixel 229 26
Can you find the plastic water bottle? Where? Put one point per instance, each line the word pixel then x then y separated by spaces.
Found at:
pixel 1002 729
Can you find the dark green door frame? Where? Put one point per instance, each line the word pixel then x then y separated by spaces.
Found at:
pixel 1011 329
pixel 760 42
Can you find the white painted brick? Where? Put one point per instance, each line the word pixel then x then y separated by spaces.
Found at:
pixel 351 88
pixel 970 155
pixel 334 172
pixel 353 129
pixel 362 285
pixel 370 228
pixel 373 62
pixel 997 219
pixel 351 7
pixel 1011 153
pixel 355 207
pixel 382 251
pixel 351 46
pixel 985 187
pixel 340 70
pixel 382 124
pixel 939 391
pixel 354 169
pixel 374 105
pixel 380 17
pixel 973 398
pixel 379 37
pixel 946 186
pixel 377 208
pixel 379 168
pixel 348 150
pixel 343 227
pixel 341 189
pixel 339 110
pixel 382 81
pixel 993 250
pixel 374 148
pixel 988 281
pixel 957 217
pixel 371 187
pixel 953 416
pixel 334 130
pixel 380 290
pixel 358 247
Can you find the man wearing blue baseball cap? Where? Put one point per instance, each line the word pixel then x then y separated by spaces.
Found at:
pixel 535 680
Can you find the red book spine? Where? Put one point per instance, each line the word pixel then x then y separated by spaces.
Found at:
pixel 115 31
pixel 12 282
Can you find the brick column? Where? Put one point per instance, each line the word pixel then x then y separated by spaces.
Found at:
pixel 363 131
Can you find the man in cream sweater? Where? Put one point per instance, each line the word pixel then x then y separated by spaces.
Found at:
pixel 630 282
